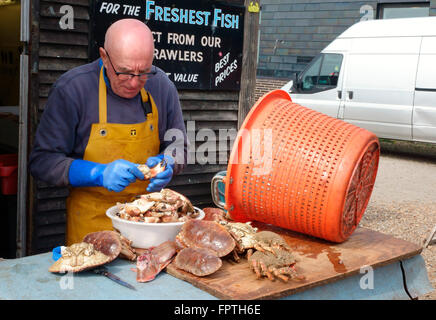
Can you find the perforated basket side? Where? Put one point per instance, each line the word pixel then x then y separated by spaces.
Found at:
pixel 313 168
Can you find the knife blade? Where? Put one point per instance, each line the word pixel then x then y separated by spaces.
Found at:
pixel 103 271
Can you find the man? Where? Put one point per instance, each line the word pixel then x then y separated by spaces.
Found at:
pixel 102 120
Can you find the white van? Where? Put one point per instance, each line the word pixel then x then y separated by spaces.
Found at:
pixel 379 75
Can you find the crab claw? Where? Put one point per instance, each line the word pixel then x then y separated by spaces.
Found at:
pixel 154 171
pixel 160 167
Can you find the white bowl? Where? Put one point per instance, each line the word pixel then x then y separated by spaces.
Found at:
pixel 145 235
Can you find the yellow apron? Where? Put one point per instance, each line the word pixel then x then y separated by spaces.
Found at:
pixel 86 206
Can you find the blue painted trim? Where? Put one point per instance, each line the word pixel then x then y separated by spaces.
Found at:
pixel 106 79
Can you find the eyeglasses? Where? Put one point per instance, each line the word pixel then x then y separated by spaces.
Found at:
pixel 127 76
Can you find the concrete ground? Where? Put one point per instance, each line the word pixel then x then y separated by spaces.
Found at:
pixel 403 203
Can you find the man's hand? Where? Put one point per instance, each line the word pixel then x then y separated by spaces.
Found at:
pixel 119 174
pixel 114 176
pixel 162 179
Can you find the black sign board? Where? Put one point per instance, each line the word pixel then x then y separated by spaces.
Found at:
pixel 198 43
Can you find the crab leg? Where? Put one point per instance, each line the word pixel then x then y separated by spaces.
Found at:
pixel 281 247
pixel 235 256
pixel 292 272
pixel 264 248
pixel 280 275
pixel 256 269
pixel 265 270
pixel 249 253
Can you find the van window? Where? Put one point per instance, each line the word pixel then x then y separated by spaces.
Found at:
pixel 322 74
pixel 403 10
pixel 310 76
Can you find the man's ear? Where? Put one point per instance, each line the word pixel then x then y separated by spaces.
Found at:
pixel 103 56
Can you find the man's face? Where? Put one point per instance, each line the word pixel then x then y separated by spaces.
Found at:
pixel 125 88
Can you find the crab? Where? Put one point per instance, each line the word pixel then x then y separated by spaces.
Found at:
pixel 201 244
pixel 264 241
pixel 96 249
pixel 249 239
pixel 205 234
pixel 127 252
pixel 172 199
pixel 153 260
pixel 273 258
pixel 215 214
pixel 246 236
pixel 274 264
pixel 243 233
pixel 198 261
pixel 205 242
pixel 164 206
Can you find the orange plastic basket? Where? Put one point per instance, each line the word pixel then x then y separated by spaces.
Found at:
pixel 301 170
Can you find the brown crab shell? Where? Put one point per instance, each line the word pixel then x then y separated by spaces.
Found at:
pixel 180 202
pixel 214 214
pixel 271 239
pixel 185 205
pixel 107 242
pixel 278 259
pixel 206 234
pixel 278 263
pixel 107 246
pixel 198 261
pixel 154 260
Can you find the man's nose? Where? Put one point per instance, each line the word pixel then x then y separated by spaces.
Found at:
pixel 136 82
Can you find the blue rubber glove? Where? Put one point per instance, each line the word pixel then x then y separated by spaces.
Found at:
pixel 162 179
pixel 114 176
pixel 57 253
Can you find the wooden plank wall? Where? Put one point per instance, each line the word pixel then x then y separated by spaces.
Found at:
pixel 203 110
pixel 59 51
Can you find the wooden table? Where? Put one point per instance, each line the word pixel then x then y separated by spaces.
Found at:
pixel 319 261
pixel 331 270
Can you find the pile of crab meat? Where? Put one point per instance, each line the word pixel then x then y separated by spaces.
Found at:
pixel 158 207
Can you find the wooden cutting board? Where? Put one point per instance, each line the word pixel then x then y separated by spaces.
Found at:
pixel 319 261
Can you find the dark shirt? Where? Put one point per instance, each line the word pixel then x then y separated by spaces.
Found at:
pixel 72 107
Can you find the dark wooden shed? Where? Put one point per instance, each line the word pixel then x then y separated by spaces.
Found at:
pixel 53 51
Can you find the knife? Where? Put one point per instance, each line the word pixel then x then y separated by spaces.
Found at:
pixel 103 271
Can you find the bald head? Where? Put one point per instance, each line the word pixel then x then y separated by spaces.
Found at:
pixel 128 48
pixel 129 37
